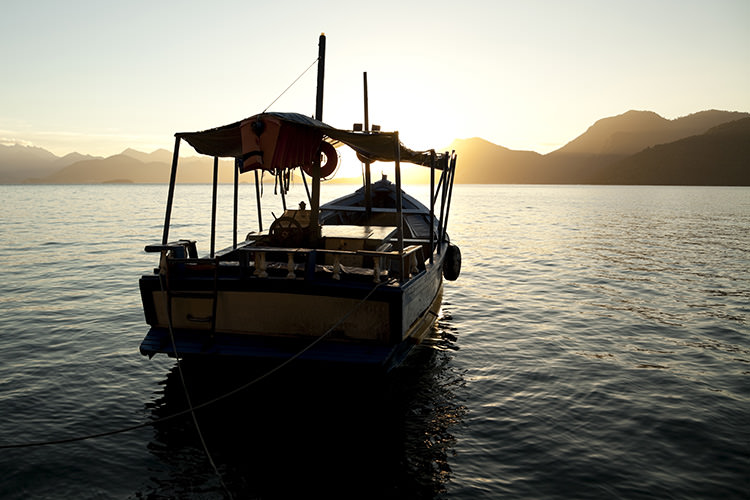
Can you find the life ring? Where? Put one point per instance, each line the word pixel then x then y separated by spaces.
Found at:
pixel 332 160
pixel 452 263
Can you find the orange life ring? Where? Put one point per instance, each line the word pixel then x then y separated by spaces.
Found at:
pixel 332 160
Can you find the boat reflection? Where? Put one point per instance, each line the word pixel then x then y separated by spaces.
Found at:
pixel 303 431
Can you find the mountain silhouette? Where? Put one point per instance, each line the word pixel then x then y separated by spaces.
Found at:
pixel 610 151
pixel 636 147
pixel 481 162
pixel 160 155
pixel 19 163
pixel 634 131
pixel 115 168
pixel 720 157
pixel 126 168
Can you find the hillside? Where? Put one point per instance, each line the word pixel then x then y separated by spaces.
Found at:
pixel 636 147
pixel 18 162
pixel 719 157
pixel 634 131
pixel 160 155
pixel 125 168
pixel 491 164
pixel 113 169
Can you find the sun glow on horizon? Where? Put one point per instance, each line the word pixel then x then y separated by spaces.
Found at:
pixel 526 76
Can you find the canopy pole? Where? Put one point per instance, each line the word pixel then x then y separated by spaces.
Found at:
pixel 432 207
pixel 315 201
pixel 368 178
pixel 452 171
pixel 304 181
pixel 257 199
pixel 399 203
pixel 213 206
pixel 282 188
pixel 170 196
pixel 236 193
pixel 444 178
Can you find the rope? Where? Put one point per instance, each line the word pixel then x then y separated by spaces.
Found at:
pixel 162 277
pixel 201 405
pixel 292 84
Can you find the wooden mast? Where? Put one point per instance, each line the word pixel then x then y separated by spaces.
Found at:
pixel 321 76
pixel 315 201
pixel 368 180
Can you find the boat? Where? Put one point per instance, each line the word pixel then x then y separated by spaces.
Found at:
pixel 358 280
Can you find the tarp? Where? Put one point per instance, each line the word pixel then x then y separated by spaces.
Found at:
pixel 227 141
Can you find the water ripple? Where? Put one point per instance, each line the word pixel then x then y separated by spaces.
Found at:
pixel 596 345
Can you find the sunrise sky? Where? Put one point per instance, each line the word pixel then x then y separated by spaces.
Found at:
pixel 100 76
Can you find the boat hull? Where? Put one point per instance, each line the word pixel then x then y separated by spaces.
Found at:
pixel 235 315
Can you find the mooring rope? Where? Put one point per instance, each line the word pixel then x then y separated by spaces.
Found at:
pixel 210 402
pixel 162 278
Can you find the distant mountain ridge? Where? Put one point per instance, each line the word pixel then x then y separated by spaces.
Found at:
pixel 721 156
pixel 132 166
pixel 18 163
pixel 634 131
pixel 709 147
pixel 160 155
pixel 637 147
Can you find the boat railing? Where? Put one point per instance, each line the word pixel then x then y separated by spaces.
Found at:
pixel 381 259
pixel 271 262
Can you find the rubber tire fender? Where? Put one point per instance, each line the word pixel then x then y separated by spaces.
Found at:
pixel 452 263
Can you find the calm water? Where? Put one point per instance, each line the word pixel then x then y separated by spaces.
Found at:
pixel 596 345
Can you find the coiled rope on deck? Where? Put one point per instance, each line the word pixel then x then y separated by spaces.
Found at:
pixel 205 404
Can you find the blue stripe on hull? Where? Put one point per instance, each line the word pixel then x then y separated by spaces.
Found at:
pixel 196 344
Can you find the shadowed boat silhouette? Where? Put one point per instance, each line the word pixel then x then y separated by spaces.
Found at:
pixel 357 280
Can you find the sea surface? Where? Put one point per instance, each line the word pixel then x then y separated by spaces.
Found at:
pixel 596 345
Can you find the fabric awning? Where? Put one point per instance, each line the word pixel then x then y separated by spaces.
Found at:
pixel 227 141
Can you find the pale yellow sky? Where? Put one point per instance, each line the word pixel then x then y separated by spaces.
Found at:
pixel 99 77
